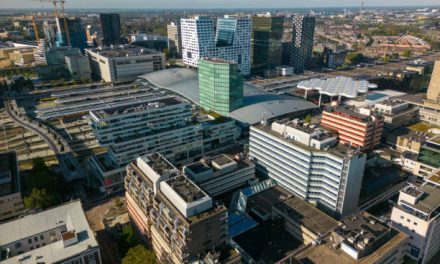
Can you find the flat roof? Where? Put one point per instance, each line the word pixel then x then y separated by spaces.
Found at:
pixel 430 199
pixel 186 189
pixel 307 215
pixel 70 214
pixel 257 103
pixel 122 51
pixel 337 86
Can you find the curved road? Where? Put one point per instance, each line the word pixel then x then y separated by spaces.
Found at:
pixel 51 142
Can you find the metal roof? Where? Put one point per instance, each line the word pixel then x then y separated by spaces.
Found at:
pixel 338 86
pixel 257 104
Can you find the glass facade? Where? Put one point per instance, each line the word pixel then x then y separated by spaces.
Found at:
pixel 430 154
pixel 77 33
pixel 111 28
pixel 225 32
pixel 220 86
pixel 267 34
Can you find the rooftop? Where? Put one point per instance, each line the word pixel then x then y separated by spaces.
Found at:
pixel 307 215
pixel 122 51
pixel 158 163
pixel 429 200
pixel 186 189
pixel 337 86
pixel 434 178
pixel 69 215
pixel 350 112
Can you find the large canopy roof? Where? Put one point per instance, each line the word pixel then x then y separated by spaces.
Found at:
pixel 338 86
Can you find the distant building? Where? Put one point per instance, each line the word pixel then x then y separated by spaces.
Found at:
pixel 11 203
pixel 334 55
pixel 354 128
pixel 56 56
pixel 182 220
pixel 417 214
pixel 57 235
pixel 267 35
pixel 124 62
pixel 174 33
pixel 302 42
pixel 74 35
pixel 79 67
pixel 220 86
pixel 154 42
pixel 163 125
pixel 229 39
pixel 220 174
pixel 56 67
pixel 111 29
pixel 309 162
pixel 360 239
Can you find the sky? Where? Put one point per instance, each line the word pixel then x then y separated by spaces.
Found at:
pixel 166 4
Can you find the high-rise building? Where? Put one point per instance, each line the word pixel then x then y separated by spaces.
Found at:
pixel 79 67
pixel 433 93
pixel 302 42
pixel 354 128
pixel 164 125
pixel 229 39
pixel 76 36
pixel 309 162
pixel 417 214
pixel 220 86
pixel 111 29
pixel 182 220
pixel 123 62
pixel 267 48
pixel 174 33
pixel 11 202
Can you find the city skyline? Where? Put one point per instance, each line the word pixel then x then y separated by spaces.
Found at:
pixel 173 4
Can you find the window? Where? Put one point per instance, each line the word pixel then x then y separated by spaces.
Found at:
pixel 18 245
pixel 35 239
pixel 30 241
pixel 415 223
pixel 401 217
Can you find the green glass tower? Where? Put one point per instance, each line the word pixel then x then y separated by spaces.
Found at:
pixel 267 35
pixel 220 86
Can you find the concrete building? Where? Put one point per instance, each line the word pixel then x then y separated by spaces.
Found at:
pixel 334 55
pixel 229 39
pixel 397 113
pixel 267 35
pixel 220 174
pixel 124 62
pixel 111 29
pixel 417 214
pixel 11 202
pixel 428 159
pixel 302 42
pixel 79 67
pixel 174 33
pixel 433 93
pixel 153 42
pixel 182 220
pixel 354 128
pixel 57 235
pixel 220 86
pixel 309 162
pixel 360 239
pixel 161 124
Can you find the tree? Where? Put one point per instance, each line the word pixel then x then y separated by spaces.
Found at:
pixel 355 58
pixel 140 255
pixel 127 239
pixel 406 53
pixel 308 119
pixel 41 177
pixel 39 199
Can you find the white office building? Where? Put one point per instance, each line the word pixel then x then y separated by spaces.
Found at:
pixel 229 39
pixel 124 62
pixel 417 214
pixel 309 162
pixel 163 125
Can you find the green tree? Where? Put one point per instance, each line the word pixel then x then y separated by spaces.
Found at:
pixel 41 177
pixel 127 239
pixel 355 58
pixel 308 119
pixel 140 255
pixel 406 53
pixel 40 199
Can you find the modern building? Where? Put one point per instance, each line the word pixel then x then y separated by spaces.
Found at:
pixel 417 214
pixel 228 39
pixel 124 62
pixel 267 35
pixel 11 202
pixel 57 235
pixel 354 128
pixel 182 220
pixel 71 32
pixel 334 55
pixel 56 56
pixel 428 159
pixel 397 113
pixel 56 66
pixel 153 42
pixel 111 29
pixel 309 162
pixel 162 124
pixel 220 86
pixel 302 42
pixel 79 67
pixel 433 93
pixel 220 174
pixel 174 33
pixel 360 239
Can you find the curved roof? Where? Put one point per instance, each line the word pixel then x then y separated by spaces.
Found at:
pixel 338 86
pixel 257 104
